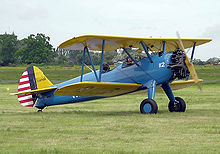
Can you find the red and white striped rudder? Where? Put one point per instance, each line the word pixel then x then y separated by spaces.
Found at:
pixel 26 100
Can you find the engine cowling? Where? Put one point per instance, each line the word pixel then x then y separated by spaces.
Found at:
pixel 178 65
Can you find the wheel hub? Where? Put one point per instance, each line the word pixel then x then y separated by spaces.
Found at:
pixel 176 105
pixel 147 108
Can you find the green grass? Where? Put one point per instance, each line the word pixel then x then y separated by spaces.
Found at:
pixel 210 73
pixel 112 125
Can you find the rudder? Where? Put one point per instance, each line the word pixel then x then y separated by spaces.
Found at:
pixel 31 79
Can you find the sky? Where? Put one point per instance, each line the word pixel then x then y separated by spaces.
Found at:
pixel 64 19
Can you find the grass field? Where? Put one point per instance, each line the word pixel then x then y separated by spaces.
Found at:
pixel 114 125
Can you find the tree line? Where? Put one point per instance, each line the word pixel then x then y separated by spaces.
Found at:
pixel 210 61
pixel 38 50
pixel 33 49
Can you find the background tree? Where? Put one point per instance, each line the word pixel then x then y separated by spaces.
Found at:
pixel 213 60
pixel 36 49
pixel 8 47
pixel 198 62
pixel 109 57
pixel 76 57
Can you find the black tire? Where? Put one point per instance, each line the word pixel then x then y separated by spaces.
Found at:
pixel 178 106
pixel 148 106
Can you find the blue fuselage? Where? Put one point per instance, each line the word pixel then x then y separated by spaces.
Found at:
pixel 142 73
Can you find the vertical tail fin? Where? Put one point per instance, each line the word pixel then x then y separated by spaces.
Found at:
pixel 31 79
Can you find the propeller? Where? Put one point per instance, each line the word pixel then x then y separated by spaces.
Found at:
pixel 189 64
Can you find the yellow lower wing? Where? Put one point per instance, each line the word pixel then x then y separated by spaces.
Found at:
pixel 96 89
pixel 175 85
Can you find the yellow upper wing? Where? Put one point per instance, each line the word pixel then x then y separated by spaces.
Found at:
pixel 94 42
pixel 96 89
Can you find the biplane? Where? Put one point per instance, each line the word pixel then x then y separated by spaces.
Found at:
pixel 168 69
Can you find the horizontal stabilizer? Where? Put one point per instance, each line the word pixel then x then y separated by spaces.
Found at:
pixel 96 89
pixel 37 91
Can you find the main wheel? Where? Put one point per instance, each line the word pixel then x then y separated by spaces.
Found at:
pixel 148 106
pixel 178 106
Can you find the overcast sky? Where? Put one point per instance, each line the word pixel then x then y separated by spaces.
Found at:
pixel 64 19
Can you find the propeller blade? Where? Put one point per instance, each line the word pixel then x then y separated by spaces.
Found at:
pixel 193 72
pixel 181 43
pixel 189 64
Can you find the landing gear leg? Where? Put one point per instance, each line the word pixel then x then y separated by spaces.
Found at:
pixel 149 106
pixel 176 104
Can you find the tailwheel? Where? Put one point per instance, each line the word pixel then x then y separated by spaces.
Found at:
pixel 40 110
pixel 148 106
pixel 178 106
